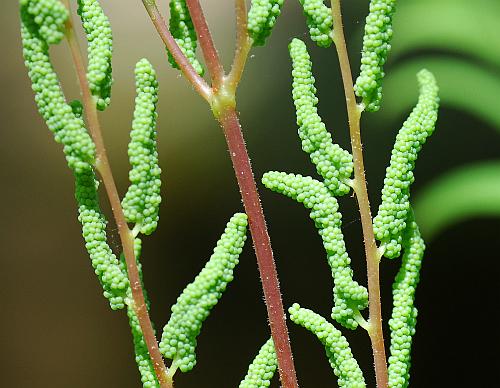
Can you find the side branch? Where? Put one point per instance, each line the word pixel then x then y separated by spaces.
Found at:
pixel 262 244
pixel 359 185
pixel 243 45
pixel 126 237
pixel 198 83
pixel 207 44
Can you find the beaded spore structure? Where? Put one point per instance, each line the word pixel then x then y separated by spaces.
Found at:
pixel 74 125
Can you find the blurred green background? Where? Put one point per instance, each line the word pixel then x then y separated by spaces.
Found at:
pixel 57 330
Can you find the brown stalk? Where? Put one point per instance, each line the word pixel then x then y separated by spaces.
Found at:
pixel 127 239
pixel 206 43
pixel 262 245
pixel 372 255
pixel 198 83
pixel 222 101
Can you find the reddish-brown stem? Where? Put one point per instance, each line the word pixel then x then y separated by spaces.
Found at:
pixel 262 244
pixel 198 83
pixel 222 101
pixel 206 43
pixel 127 239
pixel 223 106
pixel 372 255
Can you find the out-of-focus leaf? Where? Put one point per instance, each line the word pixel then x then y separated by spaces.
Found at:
pixel 469 191
pixel 466 27
pixel 462 86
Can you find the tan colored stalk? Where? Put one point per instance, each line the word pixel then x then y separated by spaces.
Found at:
pixel 359 186
pixel 243 46
pixel 127 239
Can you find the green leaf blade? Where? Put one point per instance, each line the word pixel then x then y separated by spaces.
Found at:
pixel 457 78
pixel 467 192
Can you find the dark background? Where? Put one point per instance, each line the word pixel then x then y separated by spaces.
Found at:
pixel 58 331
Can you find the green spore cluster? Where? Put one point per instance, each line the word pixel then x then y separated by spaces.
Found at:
pixel 332 162
pixel 337 348
pixel 50 17
pixel 68 128
pixel 392 215
pixel 76 108
pixel 319 21
pixel 262 369
pixel 404 313
pixel 100 50
pixel 142 200
pixel 349 296
pixel 106 266
pixel 376 47
pixel 182 29
pixel 193 306
pixel 262 18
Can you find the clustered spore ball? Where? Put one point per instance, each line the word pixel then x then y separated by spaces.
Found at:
pixel 319 21
pixel 68 127
pixel 106 266
pixel 142 200
pixel 50 17
pixel 262 368
pixel 392 215
pixel 349 296
pixel 404 313
pixel 337 348
pixel 100 50
pixel 77 108
pixel 193 306
pixel 376 47
pixel 262 18
pixel 332 162
pixel 182 29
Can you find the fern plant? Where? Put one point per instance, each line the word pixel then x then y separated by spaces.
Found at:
pixel 77 127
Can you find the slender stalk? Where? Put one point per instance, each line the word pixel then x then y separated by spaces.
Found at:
pixel 262 244
pixel 127 239
pixel 198 83
pixel 359 185
pixel 207 44
pixel 222 101
pixel 243 45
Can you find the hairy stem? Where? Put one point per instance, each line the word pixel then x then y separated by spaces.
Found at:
pixel 222 101
pixel 198 83
pixel 359 185
pixel 206 42
pixel 262 245
pixel 127 239
pixel 225 112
